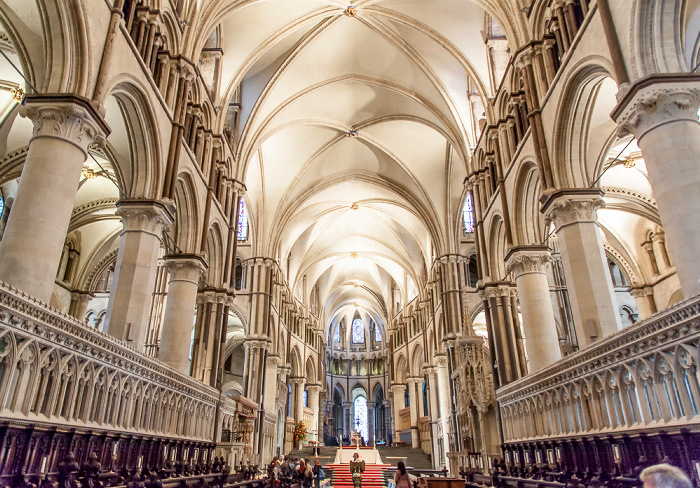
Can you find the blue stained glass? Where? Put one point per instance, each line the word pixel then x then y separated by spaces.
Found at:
pixel 361 417
pixel 468 214
pixel 377 334
pixel 2 206
pixel 336 337
pixel 242 222
pixel 358 331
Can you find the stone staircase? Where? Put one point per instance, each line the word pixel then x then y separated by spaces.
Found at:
pixel 412 457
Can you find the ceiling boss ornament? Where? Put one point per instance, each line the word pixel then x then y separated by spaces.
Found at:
pixel 351 11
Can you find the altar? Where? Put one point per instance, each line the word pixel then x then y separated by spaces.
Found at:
pixel 369 455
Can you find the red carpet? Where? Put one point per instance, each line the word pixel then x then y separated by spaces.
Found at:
pixel 373 477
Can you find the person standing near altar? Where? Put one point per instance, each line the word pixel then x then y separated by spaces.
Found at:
pixel 357 467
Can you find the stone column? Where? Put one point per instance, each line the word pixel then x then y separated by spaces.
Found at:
pixel 419 393
pixel 370 424
pixel 443 393
pixel 347 431
pixel 129 308
pixel 79 304
pixel 314 391
pixel 434 412
pixel 185 270
pixel 398 390
pixel 387 420
pixel 415 436
pixel 593 306
pixel 298 406
pixel 661 112
pixel 31 248
pixel 528 265
pixel 644 296
pixel 273 362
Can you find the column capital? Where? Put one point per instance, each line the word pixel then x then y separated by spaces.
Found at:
pixel 238 187
pixel 70 118
pixel 314 388
pixel 572 205
pixel 494 290
pixel 347 404
pixel 296 380
pixel 441 360
pixel 521 260
pixel 655 100
pixel 640 291
pixel 524 57
pixel 398 388
pixel 414 380
pixel 185 267
pixel 256 344
pixel 151 216
pixel 273 360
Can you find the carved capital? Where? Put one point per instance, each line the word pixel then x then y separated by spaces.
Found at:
pixel 655 101
pixel 441 360
pixel 150 216
pixel 523 260
pixel 571 206
pixel 185 267
pixel 524 58
pixel 641 292
pixel 67 118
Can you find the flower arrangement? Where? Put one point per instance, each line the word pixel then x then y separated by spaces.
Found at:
pixel 299 432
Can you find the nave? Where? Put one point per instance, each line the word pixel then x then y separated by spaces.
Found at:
pixel 463 231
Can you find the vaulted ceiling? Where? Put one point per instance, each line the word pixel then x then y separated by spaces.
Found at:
pixel 355 125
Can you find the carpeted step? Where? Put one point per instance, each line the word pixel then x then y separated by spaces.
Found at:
pixel 373 477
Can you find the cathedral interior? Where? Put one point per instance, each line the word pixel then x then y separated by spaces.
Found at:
pixel 235 229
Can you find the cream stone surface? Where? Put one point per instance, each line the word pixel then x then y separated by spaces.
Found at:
pixel 542 344
pixel 353 201
pixel 177 322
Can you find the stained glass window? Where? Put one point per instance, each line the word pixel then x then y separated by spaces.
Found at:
pixel 468 214
pixel 2 206
pixel 377 334
pixel 358 331
pixel 361 417
pixel 336 337
pixel 242 222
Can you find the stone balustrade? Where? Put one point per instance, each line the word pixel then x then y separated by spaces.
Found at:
pixel 56 370
pixel 643 378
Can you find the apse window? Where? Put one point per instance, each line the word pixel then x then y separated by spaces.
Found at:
pixel 242 222
pixel 361 424
pixel 336 337
pixel 377 334
pixel 468 215
pixel 358 331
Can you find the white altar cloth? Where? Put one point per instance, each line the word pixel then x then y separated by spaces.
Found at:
pixel 369 456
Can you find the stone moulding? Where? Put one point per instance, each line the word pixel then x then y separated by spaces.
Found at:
pixel 30 316
pixel 676 325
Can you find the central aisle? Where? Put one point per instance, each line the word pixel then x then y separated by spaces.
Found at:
pixel 373 477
